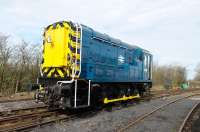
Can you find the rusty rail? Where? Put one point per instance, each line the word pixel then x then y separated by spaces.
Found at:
pixel 197 105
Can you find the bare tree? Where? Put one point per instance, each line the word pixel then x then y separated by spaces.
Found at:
pixel 27 64
pixel 19 65
pixel 169 75
pixel 197 75
pixel 5 55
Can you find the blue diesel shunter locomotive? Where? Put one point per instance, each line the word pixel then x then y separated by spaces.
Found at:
pixel 82 67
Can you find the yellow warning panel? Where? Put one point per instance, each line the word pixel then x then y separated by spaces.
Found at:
pixel 61 50
pixel 56 46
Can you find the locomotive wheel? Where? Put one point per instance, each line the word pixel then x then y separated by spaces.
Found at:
pixel 96 96
pixel 141 92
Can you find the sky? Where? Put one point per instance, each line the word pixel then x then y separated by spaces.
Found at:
pixel 169 29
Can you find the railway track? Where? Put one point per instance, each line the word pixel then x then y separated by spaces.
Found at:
pixel 25 122
pixel 15 117
pixel 187 121
pixel 148 114
pixel 6 101
pixel 27 118
pixel 20 111
pixel 157 94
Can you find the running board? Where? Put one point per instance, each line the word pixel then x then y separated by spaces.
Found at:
pixel 106 100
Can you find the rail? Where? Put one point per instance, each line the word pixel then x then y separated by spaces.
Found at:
pixel 183 125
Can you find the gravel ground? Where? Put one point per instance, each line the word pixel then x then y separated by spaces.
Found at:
pixel 18 104
pixel 109 121
pixel 166 120
pixel 193 123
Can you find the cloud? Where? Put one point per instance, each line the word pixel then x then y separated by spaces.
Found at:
pixel 169 29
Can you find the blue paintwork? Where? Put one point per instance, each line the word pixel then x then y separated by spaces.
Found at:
pixel 105 59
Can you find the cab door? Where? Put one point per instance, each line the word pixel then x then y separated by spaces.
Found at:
pixel 147 67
